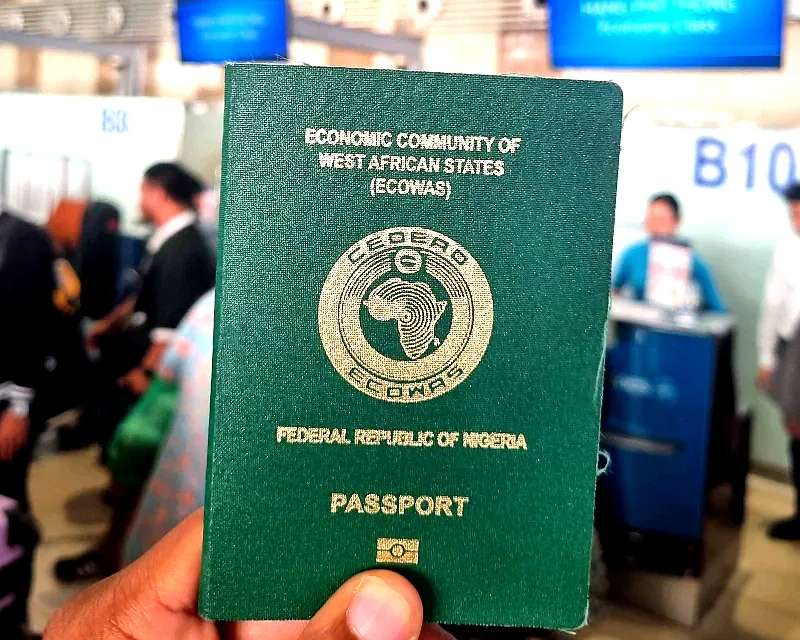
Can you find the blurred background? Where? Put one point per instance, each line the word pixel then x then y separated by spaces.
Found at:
pixel 110 152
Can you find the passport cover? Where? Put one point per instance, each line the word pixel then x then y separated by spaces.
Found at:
pixel 413 288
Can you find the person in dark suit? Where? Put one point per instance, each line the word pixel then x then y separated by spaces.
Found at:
pixel 177 269
pixel 95 260
pixel 26 319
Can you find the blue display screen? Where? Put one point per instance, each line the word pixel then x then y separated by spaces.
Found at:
pixel 666 33
pixel 218 31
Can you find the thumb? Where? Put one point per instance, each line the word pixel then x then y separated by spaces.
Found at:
pixel 376 605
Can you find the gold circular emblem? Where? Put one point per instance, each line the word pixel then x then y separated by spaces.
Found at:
pixel 405 314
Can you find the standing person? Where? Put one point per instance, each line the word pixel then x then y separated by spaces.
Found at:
pixel 176 487
pixel 26 320
pixel 177 269
pixel 779 348
pixel 661 224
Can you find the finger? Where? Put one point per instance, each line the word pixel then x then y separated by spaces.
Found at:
pixel 435 632
pixel 153 598
pixel 291 630
pixel 376 605
pixel 170 572
pixel 288 630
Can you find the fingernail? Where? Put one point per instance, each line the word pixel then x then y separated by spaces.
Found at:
pixel 378 612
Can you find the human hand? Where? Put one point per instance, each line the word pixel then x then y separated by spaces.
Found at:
pixel 136 380
pixel 763 379
pixel 156 597
pixel 13 433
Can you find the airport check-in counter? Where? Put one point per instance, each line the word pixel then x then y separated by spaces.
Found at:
pixel 672 500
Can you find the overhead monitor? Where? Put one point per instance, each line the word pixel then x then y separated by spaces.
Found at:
pixel 219 31
pixel 666 34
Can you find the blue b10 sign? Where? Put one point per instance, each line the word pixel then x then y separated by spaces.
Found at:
pixel 749 165
pixel 666 33
pixel 115 121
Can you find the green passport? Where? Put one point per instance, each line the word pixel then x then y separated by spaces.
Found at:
pixel 413 289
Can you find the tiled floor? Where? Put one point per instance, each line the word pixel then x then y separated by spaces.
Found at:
pixel 761 603
pixel 65 496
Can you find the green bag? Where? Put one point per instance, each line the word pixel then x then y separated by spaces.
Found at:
pixel 138 438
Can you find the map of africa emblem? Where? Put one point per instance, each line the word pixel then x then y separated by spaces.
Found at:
pixel 406 314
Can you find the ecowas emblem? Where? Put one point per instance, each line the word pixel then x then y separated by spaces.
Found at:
pixel 405 314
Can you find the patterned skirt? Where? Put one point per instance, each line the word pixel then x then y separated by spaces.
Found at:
pixel 784 387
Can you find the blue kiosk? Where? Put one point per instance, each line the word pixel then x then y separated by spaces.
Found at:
pixel 672 500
